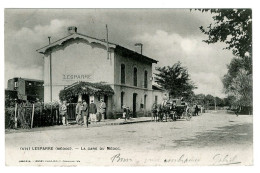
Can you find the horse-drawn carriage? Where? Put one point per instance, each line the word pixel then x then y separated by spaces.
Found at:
pixel 173 109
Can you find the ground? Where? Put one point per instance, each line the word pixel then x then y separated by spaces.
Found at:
pixel 215 138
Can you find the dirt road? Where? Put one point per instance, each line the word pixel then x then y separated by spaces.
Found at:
pixel 210 139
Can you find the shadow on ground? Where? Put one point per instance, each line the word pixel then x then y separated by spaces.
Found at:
pixel 223 136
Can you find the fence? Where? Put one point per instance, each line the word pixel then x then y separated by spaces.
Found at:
pixel 29 116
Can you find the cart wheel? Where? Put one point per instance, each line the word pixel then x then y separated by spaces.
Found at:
pixel 188 116
pixel 183 115
pixel 174 116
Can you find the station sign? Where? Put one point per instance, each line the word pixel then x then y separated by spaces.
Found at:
pixel 77 77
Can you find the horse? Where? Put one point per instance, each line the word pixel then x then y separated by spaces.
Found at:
pixel 165 110
pixel 158 112
pixel 161 112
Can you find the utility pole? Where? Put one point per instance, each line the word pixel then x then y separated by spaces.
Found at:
pixel 107 42
pixel 50 70
pixel 215 104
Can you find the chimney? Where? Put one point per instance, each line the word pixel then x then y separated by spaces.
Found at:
pixel 141 47
pixel 72 29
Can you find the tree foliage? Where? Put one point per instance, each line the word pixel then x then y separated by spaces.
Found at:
pixel 176 80
pixel 234 27
pixel 240 86
pixel 209 100
pixel 238 81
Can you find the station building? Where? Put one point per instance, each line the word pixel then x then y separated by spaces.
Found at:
pixel 81 64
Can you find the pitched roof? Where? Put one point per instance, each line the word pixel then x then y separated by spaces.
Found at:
pixel 157 87
pixel 118 48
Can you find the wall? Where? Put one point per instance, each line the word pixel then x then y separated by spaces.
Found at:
pixel 89 61
pixel 161 96
pixel 129 69
pixel 128 98
pixel 128 88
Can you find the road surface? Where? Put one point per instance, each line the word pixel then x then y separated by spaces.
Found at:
pixel 210 139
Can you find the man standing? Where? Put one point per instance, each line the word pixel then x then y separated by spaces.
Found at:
pixel 238 110
pixel 196 110
pixel 102 109
pixel 63 112
pixel 92 112
pixel 85 112
pixel 154 111
pixel 79 112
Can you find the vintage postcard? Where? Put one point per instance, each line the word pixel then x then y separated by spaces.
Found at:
pixel 128 87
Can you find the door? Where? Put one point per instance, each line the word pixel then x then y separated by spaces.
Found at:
pixel 106 101
pixel 86 98
pixel 71 111
pixel 134 105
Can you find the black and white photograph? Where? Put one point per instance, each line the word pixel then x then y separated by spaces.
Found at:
pixel 128 87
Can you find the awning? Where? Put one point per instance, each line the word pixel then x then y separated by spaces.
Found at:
pixel 80 88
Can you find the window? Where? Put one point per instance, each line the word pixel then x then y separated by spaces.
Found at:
pixel 135 76
pixel 15 84
pixel 122 73
pixel 155 99
pixel 145 79
pixel 122 99
pixel 145 96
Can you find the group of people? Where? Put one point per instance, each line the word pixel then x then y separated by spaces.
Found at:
pixel 126 112
pixel 85 112
pixel 169 105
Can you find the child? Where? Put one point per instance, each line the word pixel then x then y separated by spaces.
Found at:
pixel 124 111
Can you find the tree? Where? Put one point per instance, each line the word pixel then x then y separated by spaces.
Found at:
pixel 176 80
pixel 240 87
pixel 234 27
pixel 219 102
pixel 199 99
pixel 239 79
pixel 229 101
pixel 209 100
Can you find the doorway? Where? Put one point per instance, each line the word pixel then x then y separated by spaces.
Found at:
pixel 134 105
pixel 106 101
pixel 85 97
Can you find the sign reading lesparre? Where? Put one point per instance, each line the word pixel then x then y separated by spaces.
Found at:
pixel 76 77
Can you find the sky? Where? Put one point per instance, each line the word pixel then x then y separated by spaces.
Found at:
pixel 167 35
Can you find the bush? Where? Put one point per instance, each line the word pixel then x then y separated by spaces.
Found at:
pixel 9 117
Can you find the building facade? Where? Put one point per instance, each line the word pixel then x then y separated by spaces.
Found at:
pixel 27 89
pixel 78 57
